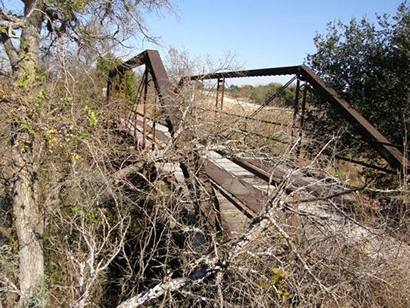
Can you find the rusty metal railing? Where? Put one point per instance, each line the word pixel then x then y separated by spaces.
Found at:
pixel 169 106
pixel 369 133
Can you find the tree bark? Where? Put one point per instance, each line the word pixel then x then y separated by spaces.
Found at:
pixel 28 220
pixel 30 38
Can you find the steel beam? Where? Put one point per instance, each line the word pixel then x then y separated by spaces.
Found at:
pixel 369 133
pixel 287 70
pixel 153 62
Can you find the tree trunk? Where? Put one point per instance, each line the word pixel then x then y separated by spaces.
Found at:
pixel 30 38
pixel 29 220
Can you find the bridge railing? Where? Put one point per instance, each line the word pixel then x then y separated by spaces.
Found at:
pixel 305 80
pixel 257 124
pixel 155 100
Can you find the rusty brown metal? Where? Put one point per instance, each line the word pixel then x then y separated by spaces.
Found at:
pixel 287 70
pixel 235 201
pixel 295 106
pixel 254 199
pixel 220 88
pixel 152 60
pixel 154 129
pixel 276 175
pixel 218 85
pixel 144 120
pixel 302 119
pixel 369 133
pixel 231 186
pixel 222 94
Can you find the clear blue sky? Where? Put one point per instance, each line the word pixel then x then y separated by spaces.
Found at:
pixel 261 33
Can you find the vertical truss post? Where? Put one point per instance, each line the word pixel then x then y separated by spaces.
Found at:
pixel 135 124
pixel 144 121
pixel 222 93
pixel 220 86
pixel 390 152
pixel 216 99
pixel 132 118
pixel 217 93
pixel 109 88
pixel 220 89
pixel 154 131
pixel 295 107
pixel 302 118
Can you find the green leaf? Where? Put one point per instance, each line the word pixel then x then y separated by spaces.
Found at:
pixel 91 117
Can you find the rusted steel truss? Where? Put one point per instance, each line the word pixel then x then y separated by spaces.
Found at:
pixel 244 195
pixel 169 107
pixel 153 64
pixel 390 152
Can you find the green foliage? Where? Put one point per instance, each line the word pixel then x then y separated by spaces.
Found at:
pixel 127 80
pixel 369 65
pixel 259 94
pixel 40 298
pixel 23 81
pixel 41 97
pixel 277 275
pixel 107 63
pixel 50 139
pixel 27 127
pixel 130 86
pixel 70 7
pixel 8 260
pixel 27 81
pixel 90 215
pixel 233 88
pixel 82 136
pixel 66 101
pixel 277 280
pixel 277 284
pixel 91 117
pixel 55 275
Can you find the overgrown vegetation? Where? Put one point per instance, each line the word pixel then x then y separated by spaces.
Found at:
pixel 88 218
pixel 366 63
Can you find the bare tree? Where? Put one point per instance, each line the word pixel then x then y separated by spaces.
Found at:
pixel 102 221
pixel 28 31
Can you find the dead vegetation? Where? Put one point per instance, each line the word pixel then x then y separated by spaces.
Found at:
pixel 302 250
pixel 122 226
pixel 121 229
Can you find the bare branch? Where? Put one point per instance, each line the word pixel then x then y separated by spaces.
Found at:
pixel 10 50
pixel 209 264
pixel 10 21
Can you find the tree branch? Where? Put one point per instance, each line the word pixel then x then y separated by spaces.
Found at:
pixel 10 21
pixel 7 24
pixel 10 50
pixel 210 264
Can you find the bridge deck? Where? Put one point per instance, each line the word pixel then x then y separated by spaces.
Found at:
pixel 242 187
pixel 242 194
pixel 246 184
